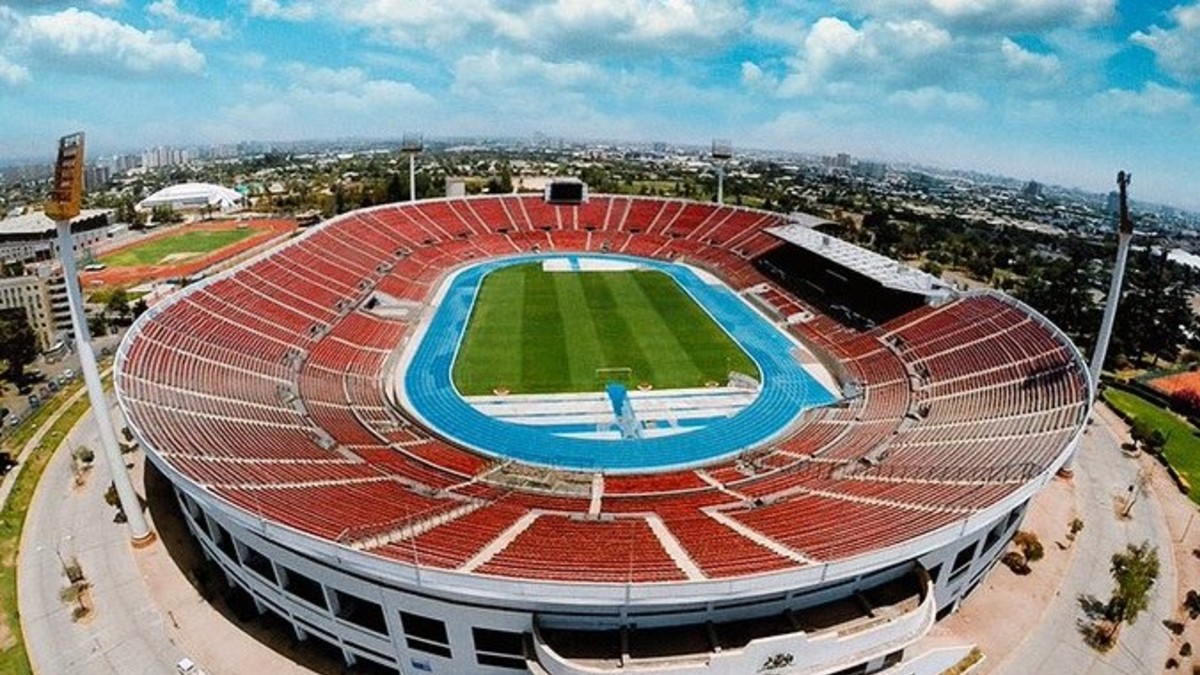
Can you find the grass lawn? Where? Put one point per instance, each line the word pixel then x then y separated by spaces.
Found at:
pixel 532 331
pixel 1183 445
pixel 196 242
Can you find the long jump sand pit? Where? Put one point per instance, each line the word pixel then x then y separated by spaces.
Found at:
pixel 183 251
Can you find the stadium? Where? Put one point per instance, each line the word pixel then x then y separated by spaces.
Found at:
pixel 507 434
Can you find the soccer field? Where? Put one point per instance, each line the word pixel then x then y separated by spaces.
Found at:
pixel 184 244
pixel 533 331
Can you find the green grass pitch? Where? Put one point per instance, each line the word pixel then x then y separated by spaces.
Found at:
pixel 198 242
pixel 532 331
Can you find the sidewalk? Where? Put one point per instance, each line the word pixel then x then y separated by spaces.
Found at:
pixel 147 613
pixel 125 632
pixel 1031 624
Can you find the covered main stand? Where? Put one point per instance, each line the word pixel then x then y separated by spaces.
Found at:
pixel 850 283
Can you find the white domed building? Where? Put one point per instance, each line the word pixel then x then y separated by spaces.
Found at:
pixel 194 197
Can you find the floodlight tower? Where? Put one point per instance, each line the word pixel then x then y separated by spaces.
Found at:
pixel 722 152
pixel 62 207
pixel 412 145
pixel 1124 237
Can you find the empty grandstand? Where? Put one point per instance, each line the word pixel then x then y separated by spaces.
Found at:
pixel 278 400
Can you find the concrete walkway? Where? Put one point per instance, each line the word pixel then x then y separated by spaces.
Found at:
pixel 147 612
pixel 1031 624
pixel 124 634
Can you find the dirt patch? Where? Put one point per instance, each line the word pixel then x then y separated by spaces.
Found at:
pixel 7 639
pixel 178 257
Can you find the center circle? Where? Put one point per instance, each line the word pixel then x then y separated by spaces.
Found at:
pixel 624 424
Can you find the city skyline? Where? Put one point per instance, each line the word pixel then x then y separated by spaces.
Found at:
pixel 1061 91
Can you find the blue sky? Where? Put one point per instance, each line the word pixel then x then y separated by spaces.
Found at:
pixel 1065 91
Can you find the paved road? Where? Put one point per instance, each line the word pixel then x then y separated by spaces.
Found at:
pixel 126 635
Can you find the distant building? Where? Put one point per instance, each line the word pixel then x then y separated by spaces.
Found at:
pixel 196 197
pixel 1032 190
pixel 874 170
pixel 1113 203
pixel 31 237
pixel 43 296
pixel 456 186
pixel 96 177
pixel 164 157
pixel 839 161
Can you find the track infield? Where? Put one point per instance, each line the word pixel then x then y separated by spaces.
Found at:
pixel 181 246
pixel 533 331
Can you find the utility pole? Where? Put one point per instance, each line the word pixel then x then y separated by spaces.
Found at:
pixel 63 206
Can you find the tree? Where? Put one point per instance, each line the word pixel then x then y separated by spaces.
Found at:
pixel 506 184
pixel 165 214
pixel 118 304
pixel 1134 573
pixel 1062 290
pixel 18 342
pixel 97 324
pixel 395 191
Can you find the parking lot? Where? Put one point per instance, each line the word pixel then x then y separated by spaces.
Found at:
pixel 55 372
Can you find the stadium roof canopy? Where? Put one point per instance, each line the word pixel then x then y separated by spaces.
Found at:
pixel 193 196
pixel 807 219
pixel 888 272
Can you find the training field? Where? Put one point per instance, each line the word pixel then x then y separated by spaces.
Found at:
pixel 183 251
pixel 533 331
pixel 177 247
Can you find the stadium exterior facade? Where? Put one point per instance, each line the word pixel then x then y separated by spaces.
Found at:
pixel 384 592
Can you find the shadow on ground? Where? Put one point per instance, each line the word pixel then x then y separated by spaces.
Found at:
pixel 233 603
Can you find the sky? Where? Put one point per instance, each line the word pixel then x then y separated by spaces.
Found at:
pixel 1062 91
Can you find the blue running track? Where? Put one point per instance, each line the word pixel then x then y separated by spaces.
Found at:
pixel 787 389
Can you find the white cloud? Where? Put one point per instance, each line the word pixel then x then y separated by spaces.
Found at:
pixel 318 89
pixel 482 74
pixel 316 102
pixel 775 24
pixel 998 15
pixel 205 29
pixel 754 77
pixel 555 28
pixel 1152 99
pixel 836 52
pixel 936 99
pixel 1021 60
pixel 12 74
pixel 89 41
pixel 273 9
pixel 1176 49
